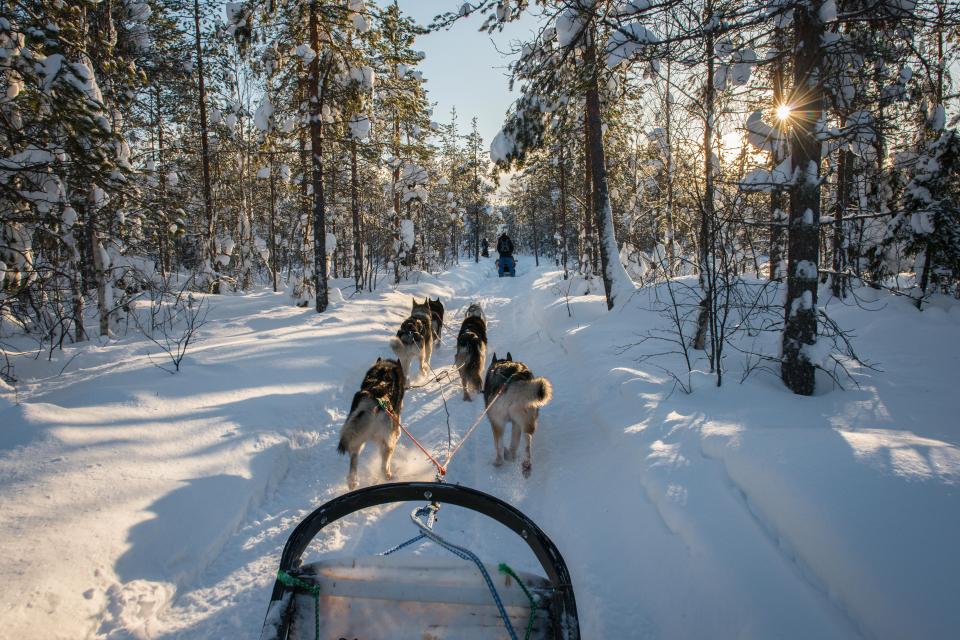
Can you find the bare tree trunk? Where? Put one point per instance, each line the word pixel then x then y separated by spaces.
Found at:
pixel 163 229
pixel 355 210
pixel 273 224
pixel 101 269
pixel 613 272
pixel 707 212
pixel 587 261
pixel 536 238
pixel 563 213
pixel 777 214
pixel 838 280
pixel 205 155
pixel 476 207
pixel 800 313
pixel 396 200
pixel 317 89
pixel 668 110
pixel 928 249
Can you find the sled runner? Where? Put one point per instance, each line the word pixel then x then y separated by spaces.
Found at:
pixel 403 597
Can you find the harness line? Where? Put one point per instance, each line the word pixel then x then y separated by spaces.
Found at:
pixel 442 468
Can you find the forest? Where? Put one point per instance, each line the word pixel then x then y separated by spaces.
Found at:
pixel 732 318
pixel 155 148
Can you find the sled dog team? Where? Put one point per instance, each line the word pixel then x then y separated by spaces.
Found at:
pixel 511 393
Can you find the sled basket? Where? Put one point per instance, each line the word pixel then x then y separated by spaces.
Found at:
pixel 400 597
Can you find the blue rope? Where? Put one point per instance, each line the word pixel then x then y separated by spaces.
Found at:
pixel 403 545
pixel 426 531
pixel 465 554
pixel 431 513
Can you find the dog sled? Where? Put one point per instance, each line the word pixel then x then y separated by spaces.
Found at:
pixel 402 597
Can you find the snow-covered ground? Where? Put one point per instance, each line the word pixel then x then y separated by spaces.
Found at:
pixel 138 504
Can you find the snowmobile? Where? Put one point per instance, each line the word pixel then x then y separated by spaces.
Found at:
pixel 414 597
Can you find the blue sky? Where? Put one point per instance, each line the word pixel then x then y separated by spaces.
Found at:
pixel 463 67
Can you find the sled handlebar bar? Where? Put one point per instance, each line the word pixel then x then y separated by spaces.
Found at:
pixel 543 548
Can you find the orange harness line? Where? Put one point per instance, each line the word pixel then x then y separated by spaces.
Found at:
pixel 441 469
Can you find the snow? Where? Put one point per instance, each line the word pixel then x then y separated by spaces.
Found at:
pixel 937 118
pixel 306 53
pixel 806 270
pixel 743 61
pixel 360 23
pixel 407 236
pixel 503 147
pixel 360 127
pixel 626 41
pixel 765 181
pixel 262 119
pixel 568 26
pixel 138 504
pixel 760 134
pixel 828 11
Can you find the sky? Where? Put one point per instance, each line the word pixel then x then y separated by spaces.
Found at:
pixel 463 67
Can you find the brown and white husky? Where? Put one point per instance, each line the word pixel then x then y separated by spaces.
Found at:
pixel 381 394
pixel 414 339
pixel 471 351
pixel 512 394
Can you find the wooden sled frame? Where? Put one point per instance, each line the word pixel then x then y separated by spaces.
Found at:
pixel 563 609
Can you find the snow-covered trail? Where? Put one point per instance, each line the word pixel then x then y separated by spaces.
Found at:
pixel 720 514
pixel 614 535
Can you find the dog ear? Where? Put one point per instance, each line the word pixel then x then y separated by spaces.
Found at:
pixel 378 358
pixel 509 357
pixel 494 357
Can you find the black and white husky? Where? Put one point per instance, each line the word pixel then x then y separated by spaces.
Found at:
pixel 414 339
pixel 381 394
pixel 471 350
pixel 436 317
pixel 512 394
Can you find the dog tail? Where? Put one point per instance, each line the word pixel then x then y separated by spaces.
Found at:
pixel 534 393
pixel 468 350
pixel 351 429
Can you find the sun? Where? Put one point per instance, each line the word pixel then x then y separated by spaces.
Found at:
pixel 783 112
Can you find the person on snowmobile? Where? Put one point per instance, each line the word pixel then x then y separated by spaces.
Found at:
pixel 505 263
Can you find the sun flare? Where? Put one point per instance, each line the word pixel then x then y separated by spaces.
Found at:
pixel 783 112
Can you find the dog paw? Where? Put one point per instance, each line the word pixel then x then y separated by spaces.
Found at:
pixel 498 462
pixel 509 455
pixel 526 468
pixel 388 475
pixel 352 483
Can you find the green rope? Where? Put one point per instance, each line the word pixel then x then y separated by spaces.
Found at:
pixel 293 581
pixel 505 568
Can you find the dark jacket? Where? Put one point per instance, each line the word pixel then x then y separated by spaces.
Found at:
pixel 504 246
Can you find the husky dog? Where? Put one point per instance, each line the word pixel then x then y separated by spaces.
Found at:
pixel 368 420
pixel 414 339
pixel 471 350
pixel 436 317
pixel 512 394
